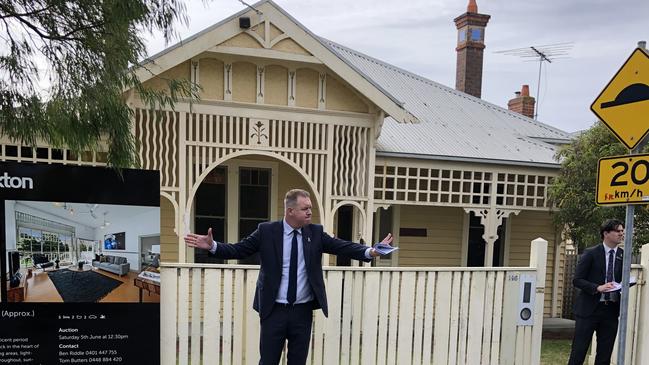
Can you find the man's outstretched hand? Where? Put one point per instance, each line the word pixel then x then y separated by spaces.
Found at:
pixel 200 241
pixel 386 241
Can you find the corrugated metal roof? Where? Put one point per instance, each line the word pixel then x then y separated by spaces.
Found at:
pixel 453 123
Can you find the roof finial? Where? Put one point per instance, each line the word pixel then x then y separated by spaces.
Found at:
pixel 472 7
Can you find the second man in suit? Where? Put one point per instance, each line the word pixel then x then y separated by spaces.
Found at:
pixel 290 284
pixel 597 306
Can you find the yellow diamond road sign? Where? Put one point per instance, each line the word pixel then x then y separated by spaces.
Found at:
pixel 623 105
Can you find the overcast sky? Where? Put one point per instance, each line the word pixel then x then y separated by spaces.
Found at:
pixel 420 36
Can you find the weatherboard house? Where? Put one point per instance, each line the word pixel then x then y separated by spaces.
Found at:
pixel 458 181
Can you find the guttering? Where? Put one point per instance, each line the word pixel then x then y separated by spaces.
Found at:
pixel 493 161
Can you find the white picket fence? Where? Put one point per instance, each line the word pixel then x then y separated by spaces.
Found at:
pixel 376 315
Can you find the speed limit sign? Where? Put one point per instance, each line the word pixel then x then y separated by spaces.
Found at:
pixel 623 180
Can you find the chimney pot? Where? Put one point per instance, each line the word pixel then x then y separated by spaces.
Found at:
pixel 642 44
pixel 472 7
pixel 522 103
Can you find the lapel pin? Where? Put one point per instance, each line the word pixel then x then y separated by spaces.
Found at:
pixel 308 239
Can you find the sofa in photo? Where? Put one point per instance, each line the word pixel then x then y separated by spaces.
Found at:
pixel 115 264
pixel 41 261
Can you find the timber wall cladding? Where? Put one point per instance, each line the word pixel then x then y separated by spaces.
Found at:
pixel 168 237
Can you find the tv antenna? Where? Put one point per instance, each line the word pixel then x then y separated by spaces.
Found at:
pixel 546 53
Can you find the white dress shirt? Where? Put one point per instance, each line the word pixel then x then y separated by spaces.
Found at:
pixel 304 293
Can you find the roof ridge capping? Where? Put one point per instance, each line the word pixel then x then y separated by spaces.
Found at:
pixel 562 135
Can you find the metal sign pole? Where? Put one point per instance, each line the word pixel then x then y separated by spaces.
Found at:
pixel 626 272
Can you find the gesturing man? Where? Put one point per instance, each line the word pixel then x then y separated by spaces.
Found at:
pixel 290 284
pixel 597 307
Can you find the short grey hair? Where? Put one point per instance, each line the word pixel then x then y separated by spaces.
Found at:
pixel 290 199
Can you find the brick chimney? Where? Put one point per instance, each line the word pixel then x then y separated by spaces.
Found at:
pixel 523 103
pixel 470 47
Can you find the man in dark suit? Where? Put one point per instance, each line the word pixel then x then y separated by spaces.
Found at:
pixel 290 284
pixel 598 305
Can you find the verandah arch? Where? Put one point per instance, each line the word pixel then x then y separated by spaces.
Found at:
pixel 317 199
pixel 356 205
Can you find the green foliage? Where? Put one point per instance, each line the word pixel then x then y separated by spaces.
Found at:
pixel 66 65
pixel 573 191
pixel 29 245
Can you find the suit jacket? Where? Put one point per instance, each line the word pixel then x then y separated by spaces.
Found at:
pixel 591 273
pixel 267 239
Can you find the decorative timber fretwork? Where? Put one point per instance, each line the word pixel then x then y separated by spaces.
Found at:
pixel 12 151
pixel 291 87
pixel 213 137
pixel 322 90
pixel 268 39
pixel 194 73
pixel 431 183
pixel 260 84
pixel 157 133
pixel 351 161
pixel 227 81
pixel 491 219
pixel 259 132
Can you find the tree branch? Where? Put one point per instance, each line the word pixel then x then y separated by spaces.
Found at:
pixel 58 37
pixel 28 14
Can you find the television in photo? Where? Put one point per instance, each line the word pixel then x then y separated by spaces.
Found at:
pixel 115 241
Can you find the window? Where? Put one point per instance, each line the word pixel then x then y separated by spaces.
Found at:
pixel 476 34
pixel 210 211
pixel 39 235
pixel 254 203
pixel 461 36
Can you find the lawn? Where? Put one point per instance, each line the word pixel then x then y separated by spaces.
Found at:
pixel 555 352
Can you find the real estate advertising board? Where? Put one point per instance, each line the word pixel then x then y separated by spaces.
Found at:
pixel 80 250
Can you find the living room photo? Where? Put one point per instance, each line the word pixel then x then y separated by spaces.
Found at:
pixel 81 252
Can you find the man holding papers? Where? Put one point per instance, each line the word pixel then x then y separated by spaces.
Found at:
pixel 290 284
pixel 597 308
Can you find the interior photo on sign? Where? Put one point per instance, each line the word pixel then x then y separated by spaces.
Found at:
pixel 82 252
